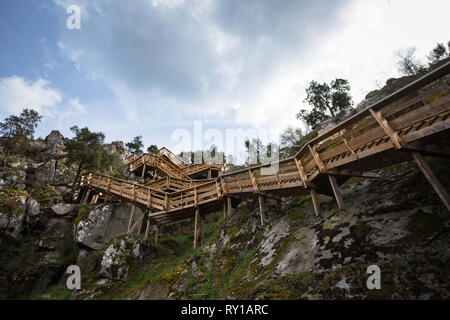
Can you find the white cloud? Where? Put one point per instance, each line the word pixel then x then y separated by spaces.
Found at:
pixel 361 49
pixel 168 61
pixel 17 93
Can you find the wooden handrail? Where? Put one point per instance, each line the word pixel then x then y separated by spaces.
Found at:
pixel 347 142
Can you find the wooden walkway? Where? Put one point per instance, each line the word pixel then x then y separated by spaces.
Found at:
pixel 409 123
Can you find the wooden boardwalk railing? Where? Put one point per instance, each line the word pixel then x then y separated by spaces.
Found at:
pixel 410 122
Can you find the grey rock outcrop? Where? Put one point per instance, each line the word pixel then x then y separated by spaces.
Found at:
pixel 49 173
pixel 62 209
pixel 103 222
pixel 55 144
pixel 122 255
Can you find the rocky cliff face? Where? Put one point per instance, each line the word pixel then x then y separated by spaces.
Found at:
pixel 389 222
pixel 41 234
pixel 396 222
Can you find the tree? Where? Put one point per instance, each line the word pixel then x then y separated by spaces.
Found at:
pixel 212 155
pixel 18 130
pixel 255 151
pixel 291 141
pixel 152 149
pixel 326 101
pixel 438 53
pixel 86 151
pixel 135 145
pixel 408 63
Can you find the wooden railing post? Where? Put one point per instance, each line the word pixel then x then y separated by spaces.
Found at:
pixel 224 186
pixel 384 124
pixel 217 190
pixel 166 202
pixel 149 198
pixel 317 160
pixel 195 197
pixel 348 145
pixel 239 183
pixel 253 179
pixel 301 172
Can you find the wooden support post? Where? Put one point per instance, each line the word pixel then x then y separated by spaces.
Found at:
pixel 229 206
pixel 315 202
pixel 130 223
pixel 143 171
pixel 87 196
pixel 209 174
pixel 83 197
pixel 261 209
pixel 197 214
pixel 437 186
pixel 141 224
pixel 195 197
pixel 94 199
pixel 156 234
pixel 224 210
pixel 201 229
pixel 147 229
pixel 336 191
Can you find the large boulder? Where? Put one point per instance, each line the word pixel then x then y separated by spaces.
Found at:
pixel 62 209
pixel 101 223
pixel 123 255
pixel 54 144
pixel 49 173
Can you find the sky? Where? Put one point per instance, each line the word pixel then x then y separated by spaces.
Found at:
pixel 157 68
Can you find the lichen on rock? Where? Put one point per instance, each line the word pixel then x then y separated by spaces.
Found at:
pixel 123 255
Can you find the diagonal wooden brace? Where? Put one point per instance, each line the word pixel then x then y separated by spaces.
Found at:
pixel 384 124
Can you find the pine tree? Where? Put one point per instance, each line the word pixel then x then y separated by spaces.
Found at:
pixel 86 151
pixel 326 101
pixel 17 131
pixel 135 145
pixel 152 149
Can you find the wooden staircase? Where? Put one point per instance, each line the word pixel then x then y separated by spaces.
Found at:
pixel 409 123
